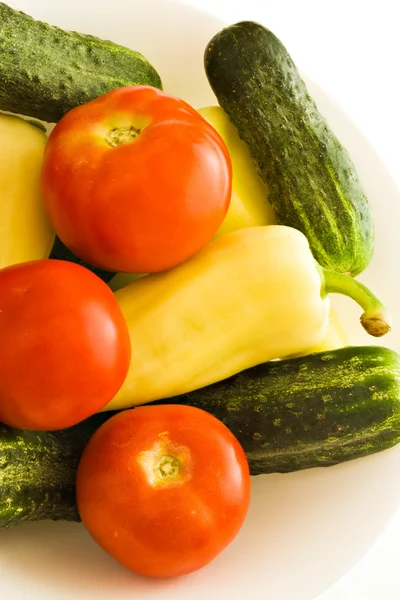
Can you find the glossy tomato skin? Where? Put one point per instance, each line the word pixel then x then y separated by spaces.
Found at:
pixel 65 347
pixel 163 526
pixel 142 206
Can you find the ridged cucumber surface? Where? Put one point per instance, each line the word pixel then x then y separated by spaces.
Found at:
pixel 38 470
pixel 312 181
pixel 45 71
pixel 314 411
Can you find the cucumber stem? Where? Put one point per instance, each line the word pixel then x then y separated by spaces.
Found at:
pixel 374 318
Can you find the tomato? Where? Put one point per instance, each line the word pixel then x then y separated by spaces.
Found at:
pixel 135 180
pixel 65 347
pixel 163 489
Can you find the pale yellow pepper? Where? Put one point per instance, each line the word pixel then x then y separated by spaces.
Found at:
pixel 335 336
pixel 248 297
pixel 25 231
pixel 248 208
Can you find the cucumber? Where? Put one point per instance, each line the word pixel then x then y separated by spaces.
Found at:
pixel 314 411
pixel 37 472
pixel 312 181
pixel 45 71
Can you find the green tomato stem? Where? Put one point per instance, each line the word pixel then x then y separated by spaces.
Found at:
pixel 121 135
pixel 374 318
pixel 167 467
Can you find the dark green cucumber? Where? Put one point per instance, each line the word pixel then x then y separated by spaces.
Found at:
pixel 38 470
pixel 312 181
pixel 313 411
pixel 60 251
pixel 45 71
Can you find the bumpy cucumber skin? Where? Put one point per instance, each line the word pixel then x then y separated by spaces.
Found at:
pixel 38 470
pixel 313 411
pixel 45 71
pixel 312 181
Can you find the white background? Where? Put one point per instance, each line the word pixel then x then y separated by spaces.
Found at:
pixel 351 48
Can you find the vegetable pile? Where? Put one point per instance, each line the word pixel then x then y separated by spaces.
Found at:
pixel 154 254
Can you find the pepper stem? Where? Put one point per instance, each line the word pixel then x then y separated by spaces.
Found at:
pixel 374 318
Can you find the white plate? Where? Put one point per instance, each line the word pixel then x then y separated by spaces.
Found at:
pixel 304 530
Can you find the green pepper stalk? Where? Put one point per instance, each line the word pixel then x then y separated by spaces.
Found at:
pixel 374 319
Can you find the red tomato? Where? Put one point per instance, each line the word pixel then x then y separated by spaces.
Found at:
pixel 136 180
pixel 65 347
pixel 163 489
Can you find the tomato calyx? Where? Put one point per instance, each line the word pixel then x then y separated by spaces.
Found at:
pixel 167 466
pixel 118 136
pixel 166 463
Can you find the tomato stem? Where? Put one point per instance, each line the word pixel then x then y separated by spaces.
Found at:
pixel 121 135
pixel 167 466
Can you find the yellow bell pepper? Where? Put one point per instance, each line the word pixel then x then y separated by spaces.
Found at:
pixel 248 297
pixel 335 336
pixel 248 206
pixel 25 231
